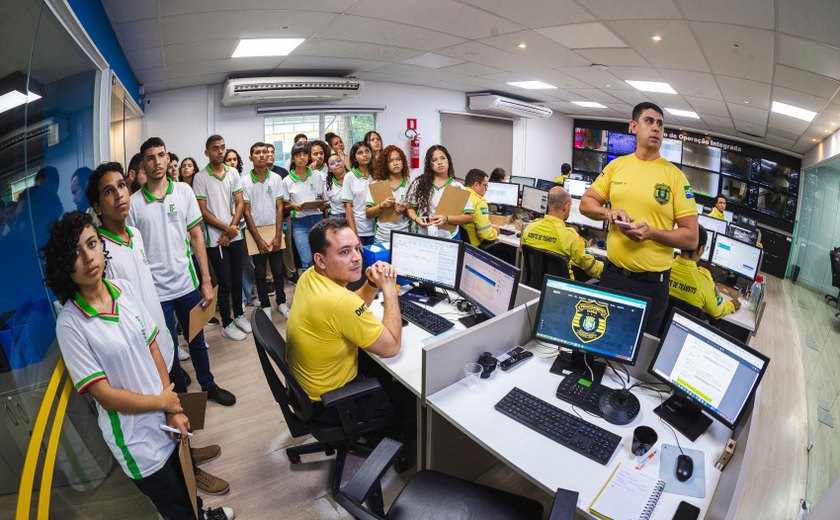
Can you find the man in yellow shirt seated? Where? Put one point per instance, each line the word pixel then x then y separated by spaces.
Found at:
pixel 694 285
pixel 720 207
pixel 480 229
pixel 551 234
pixel 565 170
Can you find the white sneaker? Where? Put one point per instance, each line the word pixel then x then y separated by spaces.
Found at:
pixel 183 355
pixel 232 332
pixel 267 311
pixel 220 513
pixel 242 323
pixel 284 310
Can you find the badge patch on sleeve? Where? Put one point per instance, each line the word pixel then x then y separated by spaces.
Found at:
pixel 688 193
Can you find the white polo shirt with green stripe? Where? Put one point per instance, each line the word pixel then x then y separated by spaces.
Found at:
pixel 165 224
pixel 355 191
pixel 303 190
pixel 220 194
pixel 262 196
pixel 129 262
pixel 115 346
pixel 434 200
pixel 382 230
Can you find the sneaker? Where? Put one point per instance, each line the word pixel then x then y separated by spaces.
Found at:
pixel 284 310
pixel 242 324
pixel 183 355
pixel 210 484
pixel 220 513
pixel 205 454
pixel 213 321
pixel 221 396
pixel 232 332
pixel 267 311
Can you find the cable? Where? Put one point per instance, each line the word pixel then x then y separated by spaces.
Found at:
pixel 661 403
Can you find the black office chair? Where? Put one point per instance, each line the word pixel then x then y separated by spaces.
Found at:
pixel 697 312
pixel 433 495
pixel 834 260
pixel 539 263
pixel 500 250
pixel 298 409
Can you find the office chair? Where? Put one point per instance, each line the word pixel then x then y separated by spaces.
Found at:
pixel 697 312
pixel 539 263
pixel 503 252
pixel 298 410
pixel 834 259
pixel 430 494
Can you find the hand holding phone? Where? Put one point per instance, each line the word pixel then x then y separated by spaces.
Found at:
pixel 623 225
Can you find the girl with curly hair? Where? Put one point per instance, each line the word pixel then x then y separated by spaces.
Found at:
pixel 427 189
pixel 391 167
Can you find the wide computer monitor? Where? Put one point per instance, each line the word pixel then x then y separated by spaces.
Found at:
pixel 592 321
pixel 737 257
pixel 743 233
pixel 486 282
pixel 576 188
pixel 523 181
pixel 429 260
pixel 534 200
pixel 578 218
pixel 712 224
pixel 545 184
pixel 709 371
pixel 503 193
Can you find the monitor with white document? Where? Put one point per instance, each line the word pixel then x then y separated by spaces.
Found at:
pixel 425 259
pixel 488 283
pixel 576 188
pixel 712 224
pixel 710 242
pixel 523 181
pixel 502 193
pixel 737 257
pixel 578 218
pixel 534 200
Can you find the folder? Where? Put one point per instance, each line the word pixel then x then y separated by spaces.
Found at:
pixel 380 191
pixel 452 202
pixel 267 233
pixel 199 316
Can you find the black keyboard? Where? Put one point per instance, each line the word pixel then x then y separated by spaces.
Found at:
pixel 506 231
pixel 571 431
pixel 423 318
pixel 583 395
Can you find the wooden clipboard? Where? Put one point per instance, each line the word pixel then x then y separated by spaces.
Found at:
pixel 195 408
pixel 452 202
pixel 380 191
pixel 185 458
pixel 313 204
pixel 199 316
pixel 267 233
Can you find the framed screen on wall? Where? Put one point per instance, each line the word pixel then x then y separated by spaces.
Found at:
pixel 735 190
pixel 671 150
pixel 702 181
pixel 775 203
pixel 591 139
pixel 778 175
pixel 586 161
pixel 621 144
pixel 701 156
pixel 732 163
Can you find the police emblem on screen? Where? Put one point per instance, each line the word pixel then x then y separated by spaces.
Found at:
pixel 590 320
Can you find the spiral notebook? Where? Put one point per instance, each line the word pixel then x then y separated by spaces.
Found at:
pixel 627 495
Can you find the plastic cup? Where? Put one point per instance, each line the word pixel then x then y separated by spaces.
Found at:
pixel 644 437
pixel 472 372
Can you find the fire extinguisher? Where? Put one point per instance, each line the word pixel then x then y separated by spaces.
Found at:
pixel 413 142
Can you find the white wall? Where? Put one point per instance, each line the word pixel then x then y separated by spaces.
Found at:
pixel 827 149
pixel 540 146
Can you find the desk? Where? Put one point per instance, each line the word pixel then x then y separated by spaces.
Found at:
pixel 742 323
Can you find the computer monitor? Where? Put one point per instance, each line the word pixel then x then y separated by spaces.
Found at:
pixel 743 233
pixel 728 216
pixel 503 193
pixel 701 156
pixel 591 321
pixel 710 242
pixel 702 182
pixel 576 188
pixel 578 218
pixel 736 257
pixel 709 372
pixel 671 149
pixel 523 181
pixel 429 260
pixel 545 184
pixel 486 282
pixel 712 224
pixel 534 200
pixel 621 144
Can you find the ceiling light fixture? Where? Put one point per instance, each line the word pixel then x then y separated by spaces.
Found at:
pixel 260 47
pixel 523 45
pixel 588 104
pixel 792 111
pixel 682 113
pixel 656 38
pixel 746 102
pixel 531 85
pixel 16 98
pixel 813 140
pixel 651 86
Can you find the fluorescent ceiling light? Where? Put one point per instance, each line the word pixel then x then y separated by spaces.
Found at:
pixel 792 111
pixel 258 47
pixel 651 86
pixel 15 98
pixel 682 113
pixel 531 85
pixel 588 104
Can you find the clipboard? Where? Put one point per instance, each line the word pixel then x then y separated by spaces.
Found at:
pixel 195 407
pixel 199 316
pixel 452 202
pixel 185 458
pixel 267 233
pixel 380 191
pixel 313 204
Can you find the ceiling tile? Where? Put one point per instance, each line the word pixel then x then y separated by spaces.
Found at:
pixel 484 54
pixel 718 123
pixel 394 78
pixel 705 106
pixel 669 101
pixel 677 50
pixel 692 83
pixel 330 66
pixel 737 90
pixel 779 122
pixel 452 85
pixel 560 79
pixel 198 51
pixel 550 12
pixel 631 97
pixel 170 8
pixel 120 11
pixel 804 81
pixel 751 13
pixel 256 66
pixel 779 142
pixel 812 19
pixel 377 31
pixel 449 16
pixel 595 77
pixel 750 128
pixel 593 94
pixel 156 86
pixel 233 25
pixel 150 75
pixel 472 69
pixel 432 61
pixel 810 56
pixel 637 73
pixel 145 58
pixel 583 36
pixel 540 49
pixel 747 114
pixel 799 99
pixel 401 69
pixel 193 81
pixel 141 34
pixel 622 57
pixel 647 10
pixel 338 48
pixel 753 59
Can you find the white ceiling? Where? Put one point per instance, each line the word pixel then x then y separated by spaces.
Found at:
pixel 727 59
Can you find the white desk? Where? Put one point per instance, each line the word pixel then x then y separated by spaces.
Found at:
pixel 548 464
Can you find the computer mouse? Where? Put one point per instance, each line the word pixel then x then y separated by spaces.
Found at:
pixel 685 467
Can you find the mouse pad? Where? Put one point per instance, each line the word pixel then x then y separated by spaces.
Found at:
pixel 693 487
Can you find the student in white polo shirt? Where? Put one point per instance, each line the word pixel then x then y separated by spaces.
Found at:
pixel 426 191
pixel 108 341
pixel 391 167
pixel 167 215
pixel 218 190
pixel 303 186
pixel 355 190
pixel 264 196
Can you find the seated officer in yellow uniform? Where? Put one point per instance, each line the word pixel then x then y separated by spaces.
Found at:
pixel 551 234
pixel 720 207
pixel 694 285
pixel 480 229
pixel 565 170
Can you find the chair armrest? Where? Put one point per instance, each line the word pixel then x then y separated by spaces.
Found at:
pixel 360 485
pixel 564 506
pixel 349 392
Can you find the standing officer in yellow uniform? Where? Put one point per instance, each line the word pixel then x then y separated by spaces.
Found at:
pixel 480 229
pixel 694 285
pixel 551 234
pixel 720 207
pixel 649 196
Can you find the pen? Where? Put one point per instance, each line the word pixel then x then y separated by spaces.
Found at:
pixel 646 460
pixel 170 429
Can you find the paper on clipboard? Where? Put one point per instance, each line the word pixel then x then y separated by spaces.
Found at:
pixel 452 202
pixel 267 233
pixel 199 316
pixel 380 191
pixel 185 458
pixel 313 204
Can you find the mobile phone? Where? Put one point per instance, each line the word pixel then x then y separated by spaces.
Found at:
pixel 686 511
pixel 624 225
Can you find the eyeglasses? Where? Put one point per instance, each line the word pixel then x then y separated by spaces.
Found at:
pixel 335 162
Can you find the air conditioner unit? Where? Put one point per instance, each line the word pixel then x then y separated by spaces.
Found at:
pixel 246 91
pixel 507 106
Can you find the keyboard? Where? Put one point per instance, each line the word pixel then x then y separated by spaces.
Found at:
pixel 507 232
pixel 423 318
pixel 571 431
pixel 584 394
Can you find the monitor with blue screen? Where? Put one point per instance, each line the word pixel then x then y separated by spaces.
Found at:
pixel 621 144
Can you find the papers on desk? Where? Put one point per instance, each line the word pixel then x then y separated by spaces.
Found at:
pixel 628 495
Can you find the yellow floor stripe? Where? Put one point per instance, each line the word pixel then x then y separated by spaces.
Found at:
pixel 52 450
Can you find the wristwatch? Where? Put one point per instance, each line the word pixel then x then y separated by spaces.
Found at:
pixel 372 284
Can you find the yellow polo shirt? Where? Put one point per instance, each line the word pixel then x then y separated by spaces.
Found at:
pixel 326 327
pixel 480 229
pixel 715 213
pixel 694 285
pixel 551 234
pixel 656 192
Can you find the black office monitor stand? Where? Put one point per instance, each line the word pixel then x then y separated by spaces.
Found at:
pixel 576 362
pixel 731 280
pixel 683 415
pixel 430 293
pixel 473 319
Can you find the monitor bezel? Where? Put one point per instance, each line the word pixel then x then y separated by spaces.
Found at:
pixel 415 235
pixel 708 228
pixel 522 201
pixel 532 179
pixel 639 339
pixel 485 254
pixel 502 203
pixel 742 275
pixel 684 394
pixel 751 231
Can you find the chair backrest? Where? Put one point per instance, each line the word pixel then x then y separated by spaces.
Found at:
pixel 540 263
pixel 501 251
pixel 293 401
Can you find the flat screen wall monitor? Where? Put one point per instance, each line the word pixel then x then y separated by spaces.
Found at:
pixel 778 175
pixel 610 157
pixel 735 191
pixel 743 221
pixel 712 224
pixel 591 139
pixel 728 216
pixel 534 200
pixel 429 260
pixel 523 181
pixel 701 156
pixel 545 184
pixel 590 162
pixel 774 203
pixel 709 371
pixel 732 163
pixel 710 241
pixel 578 218
pixel 700 208
pixel 503 193
pixel 592 321
pixel 737 257
pixel 576 188
pixel 671 150
pixel 703 182
pixel 743 234
pixel 621 144
pixel 486 282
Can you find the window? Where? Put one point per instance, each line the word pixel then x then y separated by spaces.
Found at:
pixel 281 129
